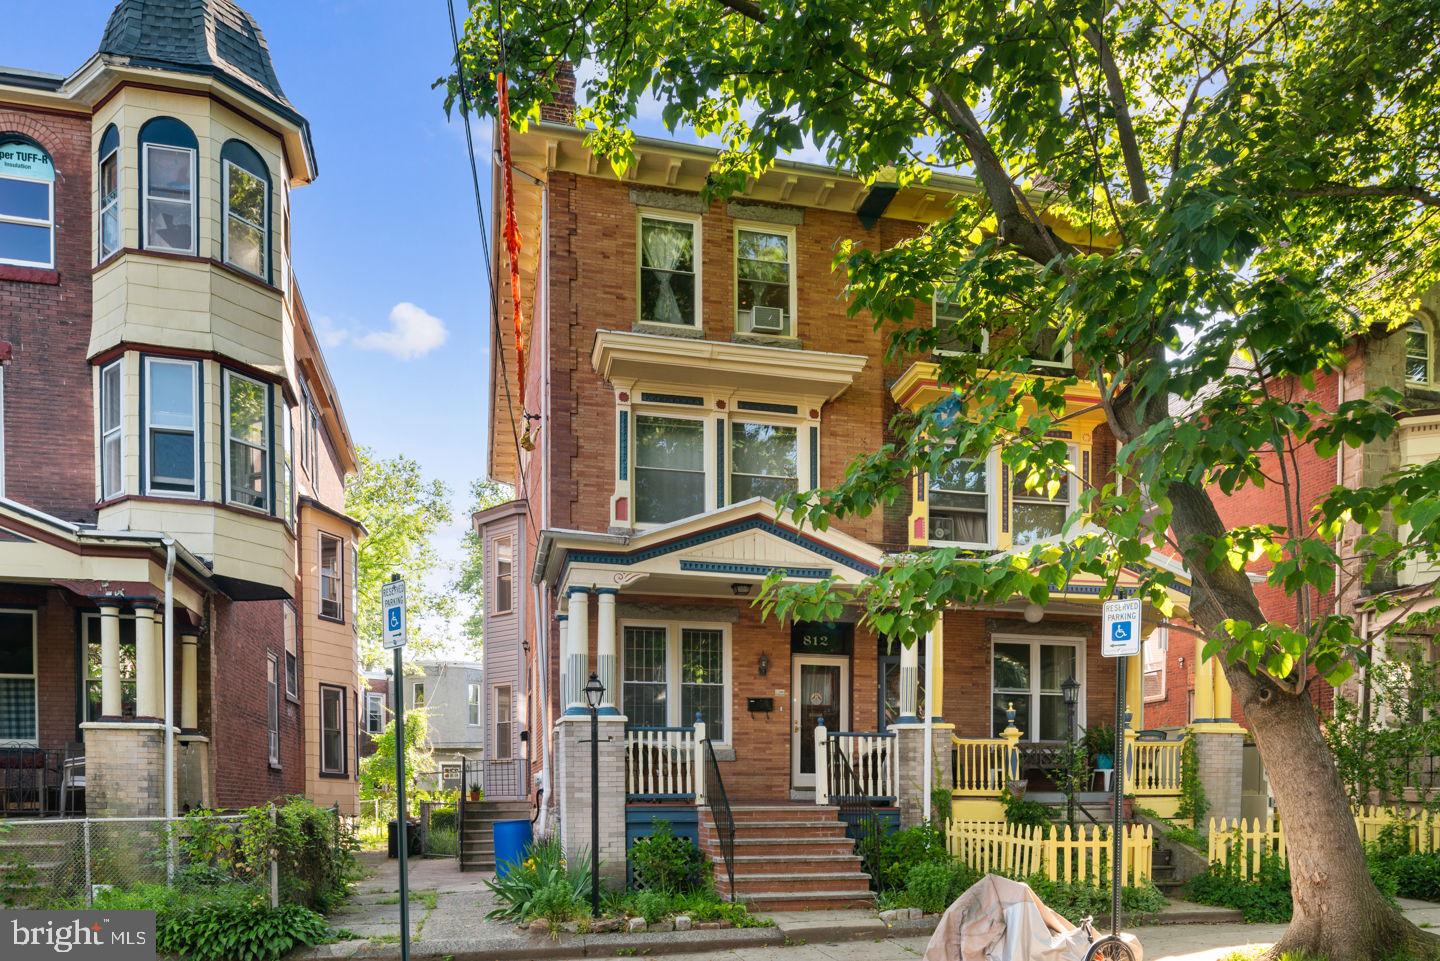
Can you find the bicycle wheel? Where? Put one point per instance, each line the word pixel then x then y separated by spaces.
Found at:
pixel 1110 948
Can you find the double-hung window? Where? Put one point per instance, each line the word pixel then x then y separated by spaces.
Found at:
pixel 669 275
pixel 765 281
pixel 1417 352
pixel 272 707
pixel 332 606
pixel 671 672
pixel 172 440
pixel 19 718
pixel 1046 349
pixel 504 723
pixel 246 189
pixel 947 317
pixel 417 694
pixel 247 432
pixel 285 495
pixel 1038 513
pixel 960 502
pixel 1029 674
pixel 764 461
pixel 472 704
pixel 374 712
pixel 1155 649
pixel 292 662
pixel 112 478
pixel 27 205
pixel 332 730
pixel 669 468
pixel 109 192
pixel 169 216
pixel 504 591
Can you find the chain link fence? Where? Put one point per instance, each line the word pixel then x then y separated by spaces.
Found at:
pixel 46 860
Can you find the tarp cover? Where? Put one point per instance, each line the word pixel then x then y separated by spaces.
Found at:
pixel 998 919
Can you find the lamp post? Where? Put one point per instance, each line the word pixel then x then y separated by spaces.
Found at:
pixel 594 692
pixel 1071 690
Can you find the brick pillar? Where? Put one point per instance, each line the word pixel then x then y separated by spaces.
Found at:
pixel 1220 754
pixel 910 755
pixel 572 774
pixel 124 769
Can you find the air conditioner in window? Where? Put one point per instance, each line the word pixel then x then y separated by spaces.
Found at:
pixel 767 320
pixel 942 528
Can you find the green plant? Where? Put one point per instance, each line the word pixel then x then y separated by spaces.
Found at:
pixel 933 885
pixel 1023 813
pixel 444 841
pixel 544 865
pixel 18 877
pixel 443 819
pixel 377 772
pixel 557 902
pixel 1078 899
pixel 1262 898
pixel 1193 803
pixel 941 799
pixel 650 905
pixel 892 856
pixel 1186 835
pixel 665 862
pixel 1098 739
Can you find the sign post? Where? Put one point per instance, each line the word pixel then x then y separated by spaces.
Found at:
pixel 1120 639
pixel 392 617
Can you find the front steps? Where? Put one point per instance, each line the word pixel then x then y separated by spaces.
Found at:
pixel 788 857
pixel 477 832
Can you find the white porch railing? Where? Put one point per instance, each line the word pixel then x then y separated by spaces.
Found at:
pixel 856 765
pixel 665 763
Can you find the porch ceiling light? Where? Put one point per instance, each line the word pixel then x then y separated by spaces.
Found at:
pixel 740 589
pixel 1071 690
pixel 594 691
pixel 1034 613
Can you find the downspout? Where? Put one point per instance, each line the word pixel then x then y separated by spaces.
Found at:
pixel 542 644
pixel 169 669
pixel 929 722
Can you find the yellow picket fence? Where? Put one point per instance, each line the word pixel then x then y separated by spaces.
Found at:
pixel 1245 843
pixel 1057 852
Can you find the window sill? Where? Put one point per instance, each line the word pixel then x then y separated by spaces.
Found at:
pixel 45 276
pixel 766 340
pixel 331 619
pixel 668 330
pixel 275 766
pixel 334 775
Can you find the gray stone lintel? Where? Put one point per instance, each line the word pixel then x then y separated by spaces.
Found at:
pixel 667 200
pixel 767 213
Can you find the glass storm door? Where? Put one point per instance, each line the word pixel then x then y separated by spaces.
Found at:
pixel 821 688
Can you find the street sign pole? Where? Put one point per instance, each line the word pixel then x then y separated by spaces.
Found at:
pixel 1120 639
pixel 392 609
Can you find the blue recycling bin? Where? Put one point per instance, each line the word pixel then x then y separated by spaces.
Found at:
pixel 511 840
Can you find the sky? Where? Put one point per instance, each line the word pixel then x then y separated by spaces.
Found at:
pixel 387 248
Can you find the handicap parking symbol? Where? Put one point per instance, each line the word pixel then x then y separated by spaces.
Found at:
pixel 1120 631
pixel 393 621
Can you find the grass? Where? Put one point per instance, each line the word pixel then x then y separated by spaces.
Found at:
pixel 443 842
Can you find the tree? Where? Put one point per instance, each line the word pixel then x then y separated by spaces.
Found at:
pixel 1247 188
pixel 377 772
pixel 401 511
pixel 470 576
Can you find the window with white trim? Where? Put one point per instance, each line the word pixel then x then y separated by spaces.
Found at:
pixel 961 497
pixel 417 694
pixel 285 496
pixel 272 703
pixel 472 704
pixel 172 440
pixel 504 723
pixel 1418 344
pixel 946 315
pixel 332 606
pixel 1154 650
pixel 374 712
pixel 112 476
pixel 110 239
pixel 19 701
pixel 669 468
pixel 27 204
pixel 1038 511
pixel 292 662
pixel 669 672
pixel 503 599
pixel 1047 349
pixel 1028 673
pixel 669 270
pixel 764 281
pixel 247 435
pixel 332 730
pixel 245 189
pixel 764 460
pixel 169 198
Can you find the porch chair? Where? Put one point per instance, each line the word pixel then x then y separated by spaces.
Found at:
pixel 72 777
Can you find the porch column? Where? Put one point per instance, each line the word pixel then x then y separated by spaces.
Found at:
pixel 605 654
pixel 147 668
pixel 1204 686
pixel 909 683
pixel 1222 698
pixel 577 655
pixel 1135 691
pixel 935 669
pixel 110 692
pixel 189 680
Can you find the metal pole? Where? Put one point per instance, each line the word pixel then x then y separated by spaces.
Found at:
pixel 402 825
pixel 1118 777
pixel 89 878
pixel 168 667
pixel 594 811
pixel 1070 774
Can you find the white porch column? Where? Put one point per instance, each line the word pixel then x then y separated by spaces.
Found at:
pixel 605 651
pixel 189 682
pixel 909 684
pixel 110 692
pixel 578 650
pixel 147 667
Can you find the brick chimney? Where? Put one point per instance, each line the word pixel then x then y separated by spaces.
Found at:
pixel 562 108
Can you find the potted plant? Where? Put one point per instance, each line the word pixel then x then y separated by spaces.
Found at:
pixel 1099 743
pixel 476 795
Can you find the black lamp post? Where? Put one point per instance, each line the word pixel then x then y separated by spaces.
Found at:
pixel 1071 690
pixel 594 691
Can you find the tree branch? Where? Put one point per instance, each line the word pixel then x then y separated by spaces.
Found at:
pixel 1124 128
pixel 1406 191
pixel 746 9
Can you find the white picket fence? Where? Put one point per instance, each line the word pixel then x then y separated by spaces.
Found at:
pixel 872 764
pixel 664 763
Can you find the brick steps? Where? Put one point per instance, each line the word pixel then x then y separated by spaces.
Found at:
pixel 792 857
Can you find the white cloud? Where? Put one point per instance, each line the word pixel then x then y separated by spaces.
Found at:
pixel 413 333
pixel 329 332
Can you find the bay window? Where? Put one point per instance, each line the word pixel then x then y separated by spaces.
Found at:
pixel 960 500
pixel 332 730
pixel 245 186
pixel 172 447
pixel 285 496
pixel 331 604
pixel 764 275
pixel 109 192
pixel 763 461
pixel 669 672
pixel 247 435
pixel 668 270
pixel 1028 673
pixel 112 476
pixel 168 150
pixel 669 468
pixel 27 204
pixel 292 662
pixel 19 705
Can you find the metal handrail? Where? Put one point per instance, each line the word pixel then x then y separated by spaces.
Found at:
pixel 720 812
pixel 856 811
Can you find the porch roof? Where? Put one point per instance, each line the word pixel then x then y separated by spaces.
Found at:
pixel 705 554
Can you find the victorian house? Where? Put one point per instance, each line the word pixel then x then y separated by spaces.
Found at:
pixel 176 569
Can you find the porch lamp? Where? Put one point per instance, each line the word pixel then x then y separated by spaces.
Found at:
pixel 1071 690
pixel 594 692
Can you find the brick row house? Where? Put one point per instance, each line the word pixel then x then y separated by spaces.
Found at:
pixel 688 363
pixel 176 568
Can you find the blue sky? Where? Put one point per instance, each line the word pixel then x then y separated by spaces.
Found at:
pixel 389 222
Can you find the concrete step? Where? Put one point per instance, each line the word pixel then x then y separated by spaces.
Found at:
pixel 781 829
pixel 793 883
pixel 860 898
pixel 779 812
pixel 805 863
pixel 785 847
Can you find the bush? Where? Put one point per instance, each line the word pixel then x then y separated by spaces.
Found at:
pixel 1263 898
pixel 1418 876
pixel 443 842
pixel 650 905
pixel 444 819
pixel 890 857
pixel 557 901
pixel 1076 899
pixel 933 886
pixel 1023 813
pixel 699 906
pixel 545 866
pixel 664 862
